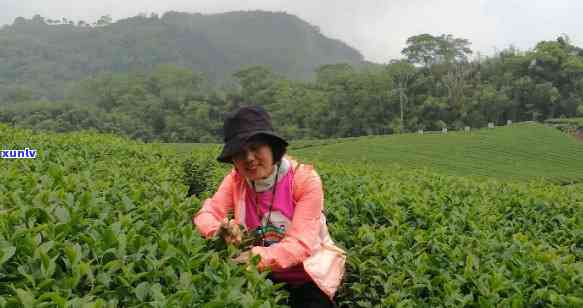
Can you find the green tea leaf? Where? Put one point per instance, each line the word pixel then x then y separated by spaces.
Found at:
pixel 26 298
pixel 142 291
pixel 7 253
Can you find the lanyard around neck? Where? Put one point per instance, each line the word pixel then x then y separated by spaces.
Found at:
pixel 273 190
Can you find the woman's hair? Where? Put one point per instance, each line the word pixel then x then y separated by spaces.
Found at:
pixel 278 148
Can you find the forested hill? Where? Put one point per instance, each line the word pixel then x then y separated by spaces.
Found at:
pixel 43 55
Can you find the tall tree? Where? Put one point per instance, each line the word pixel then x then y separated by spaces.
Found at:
pixel 456 82
pixel 402 73
pixel 426 49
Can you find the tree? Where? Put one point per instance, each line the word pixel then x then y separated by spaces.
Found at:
pixel 421 49
pixel 402 74
pixel 490 105
pixel 545 97
pixel 330 74
pixel 19 21
pixel 39 20
pixel 426 49
pixel 256 82
pixel 456 82
pixel 104 20
pixel 174 85
pixel 453 50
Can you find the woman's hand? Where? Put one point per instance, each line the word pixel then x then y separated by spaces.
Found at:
pixel 244 257
pixel 231 232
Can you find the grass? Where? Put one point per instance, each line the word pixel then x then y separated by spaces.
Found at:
pixel 296 144
pixel 520 152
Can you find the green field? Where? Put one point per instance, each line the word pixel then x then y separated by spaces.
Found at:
pixel 519 152
pixel 102 221
pixel 294 145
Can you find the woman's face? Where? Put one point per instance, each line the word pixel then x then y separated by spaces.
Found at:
pixel 255 161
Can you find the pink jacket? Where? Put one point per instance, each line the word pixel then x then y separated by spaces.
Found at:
pixel 307 241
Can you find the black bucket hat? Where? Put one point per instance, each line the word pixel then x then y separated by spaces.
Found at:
pixel 243 124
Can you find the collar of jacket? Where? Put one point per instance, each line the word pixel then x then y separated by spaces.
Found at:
pixel 267 183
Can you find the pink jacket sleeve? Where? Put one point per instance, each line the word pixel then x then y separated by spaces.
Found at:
pixel 302 238
pixel 215 209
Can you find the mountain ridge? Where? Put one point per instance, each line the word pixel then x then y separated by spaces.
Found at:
pixel 45 56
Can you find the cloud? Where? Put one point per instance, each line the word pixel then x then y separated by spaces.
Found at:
pixel 524 23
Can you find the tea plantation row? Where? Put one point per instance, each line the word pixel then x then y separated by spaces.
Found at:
pixel 101 221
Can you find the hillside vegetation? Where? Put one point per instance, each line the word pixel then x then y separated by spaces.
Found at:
pixel 149 81
pixel 44 55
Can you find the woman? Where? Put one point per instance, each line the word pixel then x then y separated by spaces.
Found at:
pixel 279 201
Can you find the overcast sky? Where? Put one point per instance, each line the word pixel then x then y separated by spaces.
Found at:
pixel 378 29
